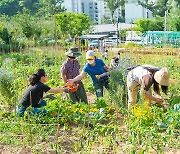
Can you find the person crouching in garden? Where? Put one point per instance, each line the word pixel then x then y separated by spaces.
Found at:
pixel 94 67
pixel 33 95
pixel 69 70
pixel 146 76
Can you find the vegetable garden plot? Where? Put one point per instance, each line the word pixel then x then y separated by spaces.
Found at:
pixel 105 126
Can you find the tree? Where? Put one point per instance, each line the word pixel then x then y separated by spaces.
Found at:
pixel 175 24
pixel 32 5
pixel 51 7
pixel 43 7
pixel 173 18
pixel 27 24
pixel 4 30
pixel 157 24
pixel 158 7
pixel 9 7
pixel 113 5
pixel 4 34
pixel 106 20
pixel 178 3
pixel 72 24
pixel 143 25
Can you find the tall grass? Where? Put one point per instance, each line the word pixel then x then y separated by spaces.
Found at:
pixel 6 88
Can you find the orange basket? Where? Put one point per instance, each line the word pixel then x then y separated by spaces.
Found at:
pixel 72 88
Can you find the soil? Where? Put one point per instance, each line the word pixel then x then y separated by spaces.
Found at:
pixel 91 97
pixel 66 143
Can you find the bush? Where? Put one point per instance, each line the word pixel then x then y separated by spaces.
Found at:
pixel 13 46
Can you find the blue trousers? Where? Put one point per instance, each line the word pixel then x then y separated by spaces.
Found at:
pixel 35 110
pixel 98 87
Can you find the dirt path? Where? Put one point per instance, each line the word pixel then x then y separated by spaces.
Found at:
pixel 91 97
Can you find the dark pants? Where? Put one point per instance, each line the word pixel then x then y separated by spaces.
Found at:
pixel 79 95
pixel 98 87
pixel 35 110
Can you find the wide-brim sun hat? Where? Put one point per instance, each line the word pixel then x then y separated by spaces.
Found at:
pixel 162 76
pixel 90 54
pixel 73 52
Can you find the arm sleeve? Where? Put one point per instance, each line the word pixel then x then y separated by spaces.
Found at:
pixel 64 69
pixel 85 69
pixel 45 88
pixel 101 62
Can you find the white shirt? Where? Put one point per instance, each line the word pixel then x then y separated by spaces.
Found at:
pixel 137 74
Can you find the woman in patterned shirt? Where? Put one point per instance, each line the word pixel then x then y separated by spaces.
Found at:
pixel 69 70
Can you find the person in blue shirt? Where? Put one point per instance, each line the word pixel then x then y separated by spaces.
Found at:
pixel 94 67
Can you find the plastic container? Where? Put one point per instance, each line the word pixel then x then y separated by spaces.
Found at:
pixel 72 88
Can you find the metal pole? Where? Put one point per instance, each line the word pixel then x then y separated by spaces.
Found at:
pixel 117 28
pixel 165 21
pixel 117 34
pixel 131 30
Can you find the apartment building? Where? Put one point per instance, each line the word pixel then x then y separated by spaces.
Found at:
pixel 133 11
pixel 97 10
pixel 90 7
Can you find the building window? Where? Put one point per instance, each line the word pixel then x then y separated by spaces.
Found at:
pixel 132 1
pixel 91 12
pixel 82 5
pixel 90 4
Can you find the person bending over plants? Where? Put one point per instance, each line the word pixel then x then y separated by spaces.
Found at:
pixel 33 95
pixel 94 67
pixel 146 76
pixel 69 70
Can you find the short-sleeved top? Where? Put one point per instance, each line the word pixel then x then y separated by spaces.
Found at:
pixel 71 70
pixel 37 91
pixel 143 76
pixel 95 70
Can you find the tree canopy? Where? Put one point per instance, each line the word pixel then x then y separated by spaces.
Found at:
pixel 72 24
pixel 41 7
pixel 156 24
pixel 113 5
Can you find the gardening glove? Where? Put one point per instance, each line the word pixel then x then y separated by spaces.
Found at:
pixel 66 90
pixel 51 96
pixel 97 76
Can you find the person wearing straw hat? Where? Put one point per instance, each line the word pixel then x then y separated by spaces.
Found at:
pixel 69 70
pixel 94 67
pixel 146 76
pixel 34 94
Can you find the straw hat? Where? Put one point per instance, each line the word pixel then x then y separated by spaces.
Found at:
pixel 90 54
pixel 162 76
pixel 73 52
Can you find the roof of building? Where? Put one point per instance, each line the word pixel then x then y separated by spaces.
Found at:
pixel 92 36
pixel 110 27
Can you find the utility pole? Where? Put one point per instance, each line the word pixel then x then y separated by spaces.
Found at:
pixel 117 28
pixel 165 21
